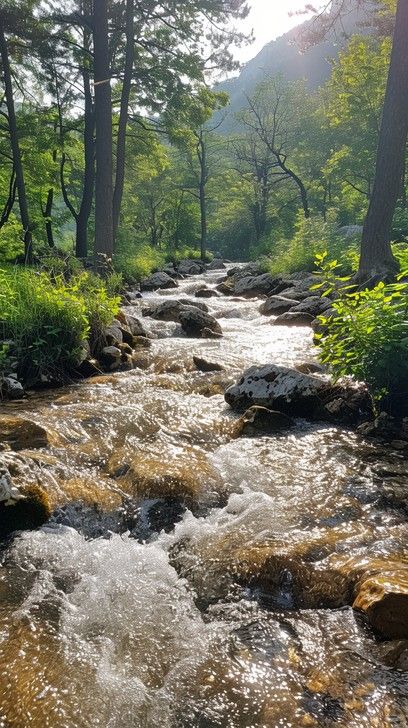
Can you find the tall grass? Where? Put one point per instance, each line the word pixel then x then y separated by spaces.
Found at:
pixel 45 321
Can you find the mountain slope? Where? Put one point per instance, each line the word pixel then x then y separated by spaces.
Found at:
pixel 282 56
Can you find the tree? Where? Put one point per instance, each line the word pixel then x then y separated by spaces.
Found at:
pixel 103 132
pixel 9 23
pixel 377 260
pixel 274 115
pixel 190 130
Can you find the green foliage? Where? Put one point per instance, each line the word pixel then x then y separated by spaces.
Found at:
pixel 136 261
pixel 11 239
pixel 313 236
pixel 47 320
pixel 367 337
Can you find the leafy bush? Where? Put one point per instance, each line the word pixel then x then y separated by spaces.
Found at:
pixel 313 236
pixel 191 253
pixel 368 336
pixel 101 305
pixel 137 262
pixel 11 239
pixel 47 320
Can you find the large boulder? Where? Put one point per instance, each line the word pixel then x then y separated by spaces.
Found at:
pixel 170 310
pixel 276 305
pixel 303 395
pixel 216 264
pixel 198 323
pixel 110 357
pixel 21 434
pixel 255 285
pixel 314 305
pixel 383 598
pixel 189 267
pixel 158 280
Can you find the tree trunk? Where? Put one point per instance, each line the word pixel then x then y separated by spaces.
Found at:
pixel 47 211
pixel 202 157
pixel 103 131
pixel 15 146
pixel 377 261
pixel 123 116
pixel 82 220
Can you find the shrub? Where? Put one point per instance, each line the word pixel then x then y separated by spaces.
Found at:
pixel 368 336
pixel 135 263
pixel 47 320
pixel 313 236
pixel 45 323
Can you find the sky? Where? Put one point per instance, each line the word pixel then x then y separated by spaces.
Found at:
pixel 268 19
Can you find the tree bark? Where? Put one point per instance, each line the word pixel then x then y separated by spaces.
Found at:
pixel 15 146
pixel 82 220
pixel 202 158
pixel 377 260
pixel 103 131
pixel 47 216
pixel 123 116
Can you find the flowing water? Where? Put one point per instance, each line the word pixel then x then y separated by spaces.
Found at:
pixel 190 579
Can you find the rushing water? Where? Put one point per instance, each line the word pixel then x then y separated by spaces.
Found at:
pixel 209 586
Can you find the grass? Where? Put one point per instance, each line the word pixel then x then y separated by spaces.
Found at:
pixel 45 321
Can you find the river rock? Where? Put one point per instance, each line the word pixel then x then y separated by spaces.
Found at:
pixel 21 434
pixel 383 598
pixel 294 318
pixel 216 264
pixel 197 323
pixel 188 267
pixel 11 388
pixel 205 293
pixel 314 305
pixel 226 287
pixel 207 366
pixel 260 420
pixel 158 280
pixel 303 395
pixel 113 334
pixel 110 357
pixel 24 510
pixel 170 310
pixel 276 305
pixel 135 325
pixel 255 285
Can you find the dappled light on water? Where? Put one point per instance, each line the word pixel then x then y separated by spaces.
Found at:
pixel 189 578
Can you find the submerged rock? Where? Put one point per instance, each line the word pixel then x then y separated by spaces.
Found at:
pixel 383 598
pixel 21 434
pixel 198 323
pixel 260 420
pixel 205 293
pixel 302 395
pixel 207 366
pixel 158 280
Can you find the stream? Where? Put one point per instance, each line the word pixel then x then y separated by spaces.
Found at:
pixel 185 579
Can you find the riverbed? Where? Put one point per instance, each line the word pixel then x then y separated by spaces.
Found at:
pixel 185 579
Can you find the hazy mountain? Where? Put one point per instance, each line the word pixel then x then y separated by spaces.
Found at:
pixel 283 56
